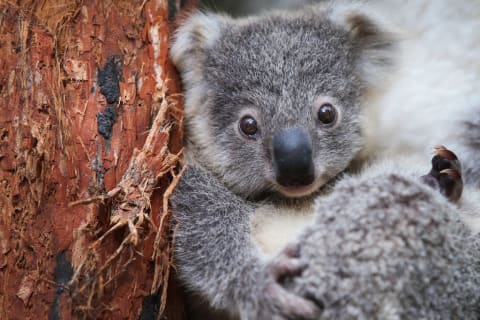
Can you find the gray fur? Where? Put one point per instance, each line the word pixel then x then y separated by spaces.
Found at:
pixel 277 68
pixel 468 137
pixel 215 255
pixel 385 246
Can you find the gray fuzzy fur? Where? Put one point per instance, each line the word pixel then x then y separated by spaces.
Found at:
pixel 278 68
pixel 215 256
pixel 383 246
pixel 468 137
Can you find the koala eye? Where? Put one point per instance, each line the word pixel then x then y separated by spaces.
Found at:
pixel 327 114
pixel 248 126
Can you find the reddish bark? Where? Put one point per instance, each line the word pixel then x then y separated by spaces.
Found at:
pixel 90 136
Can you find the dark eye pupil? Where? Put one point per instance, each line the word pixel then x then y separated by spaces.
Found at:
pixel 327 114
pixel 248 125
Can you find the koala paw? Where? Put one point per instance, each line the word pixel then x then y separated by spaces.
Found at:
pixel 445 174
pixel 279 303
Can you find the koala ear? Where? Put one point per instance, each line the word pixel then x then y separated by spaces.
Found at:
pixel 196 34
pixel 374 42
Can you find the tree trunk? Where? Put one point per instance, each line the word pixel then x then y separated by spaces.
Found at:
pixel 90 140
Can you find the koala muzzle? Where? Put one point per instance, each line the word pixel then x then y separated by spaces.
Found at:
pixel 292 157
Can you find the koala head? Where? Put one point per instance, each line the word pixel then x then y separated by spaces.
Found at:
pixel 273 103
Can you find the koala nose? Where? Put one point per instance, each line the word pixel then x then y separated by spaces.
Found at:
pixel 292 157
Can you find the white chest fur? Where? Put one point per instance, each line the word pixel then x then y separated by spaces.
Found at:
pixel 273 227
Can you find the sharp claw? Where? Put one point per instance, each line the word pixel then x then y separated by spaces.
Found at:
pixel 289 305
pixel 445 174
pixel 285 268
pixel 452 173
pixel 292 306
pixel 445 153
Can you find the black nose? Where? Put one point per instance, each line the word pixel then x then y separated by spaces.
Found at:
pixel 292 157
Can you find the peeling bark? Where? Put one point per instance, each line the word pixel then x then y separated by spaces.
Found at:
pixel 90 141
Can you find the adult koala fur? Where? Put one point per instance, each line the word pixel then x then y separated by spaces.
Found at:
pixel 384 246
pixel 273 114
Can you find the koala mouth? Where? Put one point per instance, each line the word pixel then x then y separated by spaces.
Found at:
pixel 293 162
pixel 299 191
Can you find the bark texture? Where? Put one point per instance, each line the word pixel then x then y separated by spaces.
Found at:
pixel 90 138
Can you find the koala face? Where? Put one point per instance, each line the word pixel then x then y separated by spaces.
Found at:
pixel 273 103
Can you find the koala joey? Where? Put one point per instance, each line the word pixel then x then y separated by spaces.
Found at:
pixel 273 109
pixel 273 103
pixel 273 113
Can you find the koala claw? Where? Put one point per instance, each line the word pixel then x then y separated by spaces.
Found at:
pixel 287 263
pixel 445 174
pixel 287 305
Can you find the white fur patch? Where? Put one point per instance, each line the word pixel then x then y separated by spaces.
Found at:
pixel 273 227
pixel 436 85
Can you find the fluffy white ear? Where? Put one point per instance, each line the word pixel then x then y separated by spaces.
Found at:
pixel 373 39
pixel 197 33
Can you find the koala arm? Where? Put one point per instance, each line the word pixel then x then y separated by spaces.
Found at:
pixel 212 243
pixel 217 258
